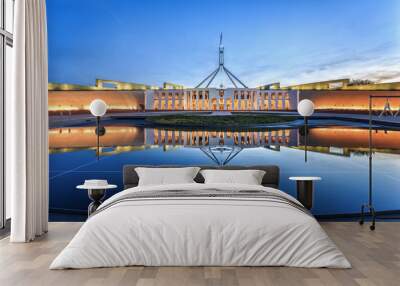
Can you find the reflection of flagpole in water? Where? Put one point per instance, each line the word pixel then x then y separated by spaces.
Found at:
pixel 210 152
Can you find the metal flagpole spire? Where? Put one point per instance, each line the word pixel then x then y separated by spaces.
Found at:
pixel 221 52
pixel 221 68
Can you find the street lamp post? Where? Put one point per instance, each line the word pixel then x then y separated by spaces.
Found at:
pixel 305 109
pixel 98 108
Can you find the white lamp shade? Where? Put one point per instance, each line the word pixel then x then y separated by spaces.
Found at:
pixel 305 107
pixel 98 107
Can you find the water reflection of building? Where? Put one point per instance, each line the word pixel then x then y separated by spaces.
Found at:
pixel 343 141
pixel 353 138
pixel 331 140
pixel 84 137
pixel 193 138
pixel 336 95
pixel 351 100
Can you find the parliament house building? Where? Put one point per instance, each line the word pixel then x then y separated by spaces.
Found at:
pixel 214 99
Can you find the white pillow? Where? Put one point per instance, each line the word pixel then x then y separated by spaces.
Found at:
pixel 248 177
pixel 166 176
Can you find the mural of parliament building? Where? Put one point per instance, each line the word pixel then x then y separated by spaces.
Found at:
pixel 332 95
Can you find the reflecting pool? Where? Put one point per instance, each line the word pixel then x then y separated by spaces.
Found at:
pixel 338 154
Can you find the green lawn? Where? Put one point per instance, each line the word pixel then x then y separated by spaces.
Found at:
pixel 218 121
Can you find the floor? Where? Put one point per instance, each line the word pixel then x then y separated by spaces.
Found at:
pixel 375 256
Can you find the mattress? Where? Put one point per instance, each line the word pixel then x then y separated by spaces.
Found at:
pixel 201 225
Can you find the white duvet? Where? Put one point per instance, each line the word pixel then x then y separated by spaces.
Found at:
pixel 200 231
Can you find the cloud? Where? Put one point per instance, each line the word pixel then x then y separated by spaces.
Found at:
pixel 380 63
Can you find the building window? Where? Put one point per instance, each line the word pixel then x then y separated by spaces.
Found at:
pixel 6 61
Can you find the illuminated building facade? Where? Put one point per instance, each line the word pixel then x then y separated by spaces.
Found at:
pixel 76 101
pixel 213 99
pixel 335 96
pixel 351 100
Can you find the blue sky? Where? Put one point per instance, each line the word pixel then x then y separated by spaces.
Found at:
pixel 152 41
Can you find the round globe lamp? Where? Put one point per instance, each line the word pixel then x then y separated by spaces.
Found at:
pixel 305 107
pixel 98 107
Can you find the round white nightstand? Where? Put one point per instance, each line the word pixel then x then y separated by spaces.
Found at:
pixel 305 188
pixel 96 193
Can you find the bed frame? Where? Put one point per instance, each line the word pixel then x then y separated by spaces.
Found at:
pixel 270 179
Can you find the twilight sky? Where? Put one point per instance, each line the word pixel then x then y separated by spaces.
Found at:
pixel 290 41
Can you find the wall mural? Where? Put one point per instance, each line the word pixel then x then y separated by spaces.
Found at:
pixel 233 96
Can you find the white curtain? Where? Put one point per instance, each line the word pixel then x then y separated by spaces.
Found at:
pixel 27 124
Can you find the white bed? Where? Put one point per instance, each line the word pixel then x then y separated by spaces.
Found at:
pixel 205 230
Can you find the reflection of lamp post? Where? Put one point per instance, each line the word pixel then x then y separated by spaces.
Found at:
pixel 305 109
pixel 98 108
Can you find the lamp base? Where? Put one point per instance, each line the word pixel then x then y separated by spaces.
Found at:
pixel 371 211
pixel 96 196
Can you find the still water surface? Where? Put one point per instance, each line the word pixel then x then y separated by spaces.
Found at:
pixel 337 154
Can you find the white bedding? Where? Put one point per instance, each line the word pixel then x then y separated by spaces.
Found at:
pixel 200 231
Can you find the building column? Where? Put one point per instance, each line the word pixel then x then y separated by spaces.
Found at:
pixel 159 137
pixel 269 138
pixel 173 101
pixel 269 101
pixel 262 98
pixel 173 138
pixel 224 102
pixel 283 101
